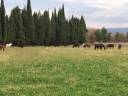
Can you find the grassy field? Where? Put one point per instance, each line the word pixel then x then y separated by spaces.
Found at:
pixel 42 71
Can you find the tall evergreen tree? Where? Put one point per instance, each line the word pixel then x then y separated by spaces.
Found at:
pixel 3 22
pixel 61 26
pixel 25 23
pixel 41 29
pixel 0 26
pixel 12 27
pixel 8 29
pixel 36 20
pixel 47 28
pixel 83 30
pixel 19 37
pixel 24 27
pixel 53 27
pixel 30 32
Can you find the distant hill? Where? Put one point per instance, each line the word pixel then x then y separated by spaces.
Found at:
pixel 117 30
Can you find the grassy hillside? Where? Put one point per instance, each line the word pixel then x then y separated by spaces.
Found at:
pixel 41 71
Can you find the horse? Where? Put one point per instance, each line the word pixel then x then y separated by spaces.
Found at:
pixel 9 45
pixel 76 45
pixel 110 46
pixel 119 46
pixel 99 46
pixel 2 47
pixel 86 46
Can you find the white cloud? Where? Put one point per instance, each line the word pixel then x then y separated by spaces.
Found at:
pixel 96 12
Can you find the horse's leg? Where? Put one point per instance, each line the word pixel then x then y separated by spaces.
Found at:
pixel 95 48
pixel 100 47
pixel 3 49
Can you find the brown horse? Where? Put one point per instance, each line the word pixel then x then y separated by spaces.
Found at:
pixel 119 46
pixel 2 47
pixel 99 46
pixel 111 46
pixel 76 45
pixel 86 46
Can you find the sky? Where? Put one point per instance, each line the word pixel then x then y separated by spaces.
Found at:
pixel 97 13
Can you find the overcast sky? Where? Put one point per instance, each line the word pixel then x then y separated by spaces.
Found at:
pixel 97 13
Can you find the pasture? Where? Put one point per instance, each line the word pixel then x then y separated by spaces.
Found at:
pixel 59 71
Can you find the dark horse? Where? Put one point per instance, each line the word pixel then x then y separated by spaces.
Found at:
pixel 87 46
pixel 119 46
pixel 2 47
pixel 110 46
pixel 99 46
pixel 76 45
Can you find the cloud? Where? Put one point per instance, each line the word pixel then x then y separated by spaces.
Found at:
pixel 96 12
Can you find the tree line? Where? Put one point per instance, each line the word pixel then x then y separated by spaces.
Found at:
pixel 102 35
pixel 23 26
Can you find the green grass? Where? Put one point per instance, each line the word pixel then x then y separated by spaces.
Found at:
pixel 43 71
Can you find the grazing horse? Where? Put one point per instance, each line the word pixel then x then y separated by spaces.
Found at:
pixel 76 45
pixel 110 46
pixel 86 46
pixel 2 47
pixel 119 46
pixel 99 46
pixel 9 45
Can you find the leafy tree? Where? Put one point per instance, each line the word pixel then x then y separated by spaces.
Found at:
pixel 104 34
pixel 98 35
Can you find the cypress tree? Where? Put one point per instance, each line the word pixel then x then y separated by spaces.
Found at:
pixel 3 22
pixel 47 28
pixel 30 32
pixel 53 27
pixel 61 26
pixel 25 24
pixel 83 30
pixel 0 26
pixel 36 20
pixel 39 29
pixel 41 32
pixel 11 27
pixel 19 37
pixel 8 29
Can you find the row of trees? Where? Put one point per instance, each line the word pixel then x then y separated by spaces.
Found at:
pixel 102 35
pixel 23 27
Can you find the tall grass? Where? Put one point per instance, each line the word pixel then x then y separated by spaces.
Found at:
pixel 43 71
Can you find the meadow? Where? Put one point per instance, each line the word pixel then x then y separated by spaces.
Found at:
pixel 59 71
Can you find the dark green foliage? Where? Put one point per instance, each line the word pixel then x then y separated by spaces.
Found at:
pixel 61 26
pixel 77 29
pixel 98 35
pixel 39 29
pixel 46 28
pixel 30 28
pixel 102 35
pixel 53 27
pixel 83 30
pixel 36 20
pixel 0 26
pixel 3 22
pixel 8 29
pixel 17 27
